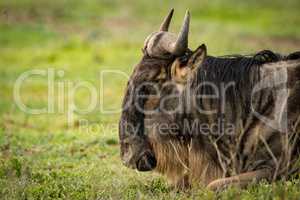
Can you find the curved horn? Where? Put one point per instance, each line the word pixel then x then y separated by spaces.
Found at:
pixel 165 25
pixel 182 41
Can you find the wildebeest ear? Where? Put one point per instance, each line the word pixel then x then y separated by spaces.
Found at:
pixel 197 57
pixel 181 71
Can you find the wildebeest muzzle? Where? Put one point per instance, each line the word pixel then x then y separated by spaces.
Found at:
pixel 146 162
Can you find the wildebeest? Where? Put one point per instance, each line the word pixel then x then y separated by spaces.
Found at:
pixel 214 121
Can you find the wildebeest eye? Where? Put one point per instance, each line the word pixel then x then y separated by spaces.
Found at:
pixel 183 60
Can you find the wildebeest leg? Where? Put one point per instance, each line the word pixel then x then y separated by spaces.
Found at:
pixel 241 180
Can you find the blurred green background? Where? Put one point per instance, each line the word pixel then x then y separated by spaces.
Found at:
pixel 41 156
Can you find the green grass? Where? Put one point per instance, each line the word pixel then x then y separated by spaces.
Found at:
pixel 41 157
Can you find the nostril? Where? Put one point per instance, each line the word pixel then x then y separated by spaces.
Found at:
pixel 152 160
pixel 147 162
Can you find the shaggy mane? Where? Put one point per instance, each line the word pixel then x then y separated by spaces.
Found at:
pixel 243 70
